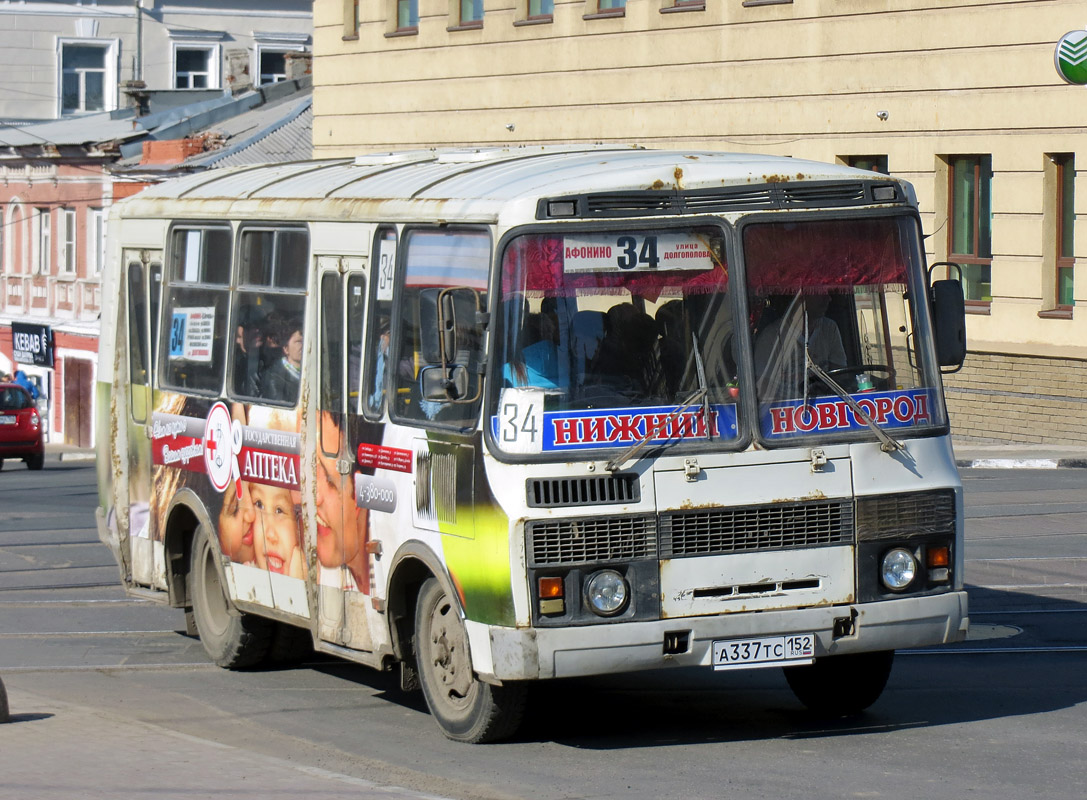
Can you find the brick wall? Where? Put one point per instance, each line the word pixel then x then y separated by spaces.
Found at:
pixel 1006 398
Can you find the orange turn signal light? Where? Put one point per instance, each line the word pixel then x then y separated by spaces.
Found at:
pixel 939 556
pixel 551 588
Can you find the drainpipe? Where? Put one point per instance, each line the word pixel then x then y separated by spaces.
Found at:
pixel 139 42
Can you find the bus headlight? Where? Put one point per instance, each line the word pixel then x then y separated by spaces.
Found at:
pixel 898 569
pixel 607 592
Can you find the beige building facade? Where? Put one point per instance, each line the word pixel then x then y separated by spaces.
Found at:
pixel 962 98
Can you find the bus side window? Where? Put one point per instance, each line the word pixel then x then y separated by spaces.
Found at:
pixel 356 319
pixel 137 341
pixel 379 327
pixel 194 319
pixel 268 315
pixel 435 260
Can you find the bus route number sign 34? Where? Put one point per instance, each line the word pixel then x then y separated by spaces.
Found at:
pixel 768 651
pixel 521 420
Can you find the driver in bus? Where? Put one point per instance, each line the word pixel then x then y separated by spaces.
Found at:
pixel 780 360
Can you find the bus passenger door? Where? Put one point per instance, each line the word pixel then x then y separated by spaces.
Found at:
pixel 143 272
pixel 340 537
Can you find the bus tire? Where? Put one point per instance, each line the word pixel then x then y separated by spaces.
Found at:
pixel 465 708
pixel 232 639
pixel 290 645
pixel 841 686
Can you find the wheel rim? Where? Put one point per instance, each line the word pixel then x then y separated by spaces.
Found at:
pixel 218 616
pixel 447 656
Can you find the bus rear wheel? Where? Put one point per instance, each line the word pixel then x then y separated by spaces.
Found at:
pixel 465 708
pixel 232 639
pixel 841 686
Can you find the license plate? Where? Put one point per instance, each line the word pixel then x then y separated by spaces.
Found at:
pixel 6 420
pixel 769 651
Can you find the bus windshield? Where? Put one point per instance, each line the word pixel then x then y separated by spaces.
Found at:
pixel 835 294
pixel 611 338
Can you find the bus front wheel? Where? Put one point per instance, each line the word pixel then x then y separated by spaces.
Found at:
pixel 465 708
pixel 841 686
pixel 232 639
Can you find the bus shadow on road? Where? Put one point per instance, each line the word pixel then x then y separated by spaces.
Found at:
pixel 986 677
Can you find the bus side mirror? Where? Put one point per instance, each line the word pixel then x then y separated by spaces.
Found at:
pixel 949 320
pixel 451 332
pixel 448 323
pixel 444 385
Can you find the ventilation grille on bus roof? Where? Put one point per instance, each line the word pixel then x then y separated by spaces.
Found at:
pixel 807 194
pixel 598 490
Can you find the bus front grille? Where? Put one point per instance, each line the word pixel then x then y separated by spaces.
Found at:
pixel 894 516
pixel 748 529
pixel 591 540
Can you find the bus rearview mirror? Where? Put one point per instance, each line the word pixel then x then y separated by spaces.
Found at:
pixel 443 385
pixel 949 319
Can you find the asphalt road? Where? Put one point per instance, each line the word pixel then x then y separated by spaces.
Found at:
pixel 110 698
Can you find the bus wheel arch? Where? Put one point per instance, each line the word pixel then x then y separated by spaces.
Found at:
pixel 183 517
pixel 232 638
pixel 412 565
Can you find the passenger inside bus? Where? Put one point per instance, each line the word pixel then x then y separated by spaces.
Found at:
pixel 280 383
pixel 248 344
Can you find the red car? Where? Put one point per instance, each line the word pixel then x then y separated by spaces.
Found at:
pixel 20 427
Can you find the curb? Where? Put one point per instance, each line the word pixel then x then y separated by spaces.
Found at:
pixel 77 456
pixel 1021 463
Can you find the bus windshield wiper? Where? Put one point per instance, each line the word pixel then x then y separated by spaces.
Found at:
pixel 701 394
pixel 888 444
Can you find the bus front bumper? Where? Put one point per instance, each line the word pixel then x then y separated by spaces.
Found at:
pixel 511 654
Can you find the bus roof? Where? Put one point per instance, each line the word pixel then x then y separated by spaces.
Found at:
pixel 466 184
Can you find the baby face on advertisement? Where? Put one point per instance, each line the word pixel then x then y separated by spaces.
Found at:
pixel 276 539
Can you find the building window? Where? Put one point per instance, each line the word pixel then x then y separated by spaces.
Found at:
pixel 969 231
pixel 870 163
pixel 407 15
pixel 67 254
pixel 540 8
pixel 42 220
pixel 270 56
pixel 84 77
pixel 193 68
pixel 17 244
pixel 351 19
pixel 273 66
pixel 96 240
pixel 471 12
pixel 611 5
pixel 1066 218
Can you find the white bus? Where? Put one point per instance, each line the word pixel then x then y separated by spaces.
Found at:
pixel 503 415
